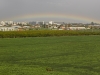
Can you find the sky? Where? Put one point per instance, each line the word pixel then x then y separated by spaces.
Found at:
pixel 47 10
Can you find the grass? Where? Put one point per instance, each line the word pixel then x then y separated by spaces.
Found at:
pixel 67 55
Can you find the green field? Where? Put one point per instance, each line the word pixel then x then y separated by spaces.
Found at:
pixel 65 55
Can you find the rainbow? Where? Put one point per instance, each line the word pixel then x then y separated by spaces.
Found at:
pixel 55 15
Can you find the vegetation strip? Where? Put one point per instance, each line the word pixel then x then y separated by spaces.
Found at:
pixel 44 33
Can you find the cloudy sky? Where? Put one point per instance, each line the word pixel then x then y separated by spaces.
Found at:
pixel 17 9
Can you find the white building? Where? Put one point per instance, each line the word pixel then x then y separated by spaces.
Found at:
pixel 43 22
pixel 10 22
pixel 76 28
pixel 51 22
pixel 18 23
pixel 24 23
pixel 16 26
pixel 8 29
pixel 3 23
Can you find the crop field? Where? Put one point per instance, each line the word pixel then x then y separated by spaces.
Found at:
pixel 62 55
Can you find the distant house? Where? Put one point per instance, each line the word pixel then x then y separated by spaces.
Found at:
pixel 8 29
pixel 1 25
pixel 37 26
pixel 94 26
pixel 76 28
pixel 16 26
pixel 62 27
pixel 26 26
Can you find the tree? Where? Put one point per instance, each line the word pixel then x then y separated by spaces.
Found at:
pixel 92 23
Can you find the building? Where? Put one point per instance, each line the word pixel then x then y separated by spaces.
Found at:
pixel 3 23
pixel 24 23
pixel 10 22
pixel 51 22
pixel 76 28
pixel 8 29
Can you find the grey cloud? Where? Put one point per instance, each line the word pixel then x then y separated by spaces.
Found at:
pixel 89 8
